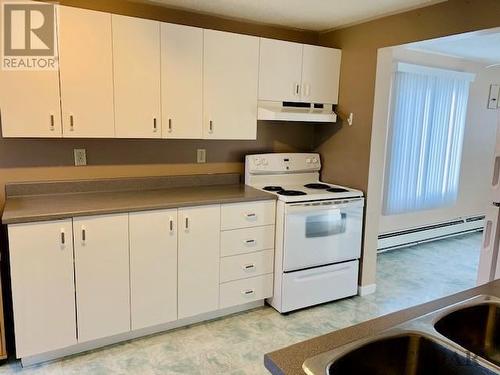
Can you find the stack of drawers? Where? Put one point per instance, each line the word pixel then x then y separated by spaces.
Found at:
pixel 247 252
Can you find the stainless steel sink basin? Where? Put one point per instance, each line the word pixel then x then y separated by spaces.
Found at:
pixel 460 339
pixel 475 328
pixel 405 354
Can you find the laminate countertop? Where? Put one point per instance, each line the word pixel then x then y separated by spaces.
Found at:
pixel 30 208
pixel 290 359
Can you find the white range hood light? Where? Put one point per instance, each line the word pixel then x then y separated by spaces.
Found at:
pixel 286 111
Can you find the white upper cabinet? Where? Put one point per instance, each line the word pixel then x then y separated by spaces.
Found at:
pixel 86 65
pixel 320 74
pixel 199 243
pixel 29 103
pixel 230 79
pixel 136 63
pixel 153 267
pixel 102 275
pixel 182 81
pixel 43 289
pixel 280 74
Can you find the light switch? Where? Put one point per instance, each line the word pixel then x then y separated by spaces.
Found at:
pixel 494 97
pixel 201 155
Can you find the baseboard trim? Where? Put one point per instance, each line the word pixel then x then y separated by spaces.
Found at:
pixel 99 343
pixel 364 290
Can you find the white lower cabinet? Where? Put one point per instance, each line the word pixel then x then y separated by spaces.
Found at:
pixel 102 275
pixel 43 294
pixel 199 240
pixel 153 267
pixel 76 281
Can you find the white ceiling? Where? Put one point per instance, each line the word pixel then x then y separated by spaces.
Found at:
pixel 317 15
pixel 479 46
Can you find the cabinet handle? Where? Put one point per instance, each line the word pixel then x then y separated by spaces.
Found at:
pixel 52 123
pixel 170 125
pixel 248 267
pixel 155 128
pixel 248 292
pixel 63 237
pixel 171 225
pixel 211 126
pixel 250 242
pixel 251 215
pixel 71 123
pixel 84 234
pixel 297 89
pixel 186 222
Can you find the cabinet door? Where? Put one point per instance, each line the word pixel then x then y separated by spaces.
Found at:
pixel 182 81
pixel 230 79
pixel 320 74
pixel 153 267
pixel 102 275
pixel 86 66
pixel 199 231
pixel 136 68
pixel 280 70
pixel 43 294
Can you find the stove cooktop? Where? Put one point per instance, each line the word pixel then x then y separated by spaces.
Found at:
pixel 312 191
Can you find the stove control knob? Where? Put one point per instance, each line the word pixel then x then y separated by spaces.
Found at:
pixel 308 161
pixel 264 162
pixel 315 160
pixel 256 161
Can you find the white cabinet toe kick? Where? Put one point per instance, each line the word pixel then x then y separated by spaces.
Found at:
pixel 83 283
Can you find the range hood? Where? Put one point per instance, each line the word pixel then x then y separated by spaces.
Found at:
pixel 292 111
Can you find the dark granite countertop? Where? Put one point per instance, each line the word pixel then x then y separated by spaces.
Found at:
pixel 289 360
pixel 46 206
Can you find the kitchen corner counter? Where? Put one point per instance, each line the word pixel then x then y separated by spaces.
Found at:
pixel 46 206
pixel 288 361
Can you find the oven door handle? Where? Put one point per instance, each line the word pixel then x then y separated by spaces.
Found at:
pixel 324 206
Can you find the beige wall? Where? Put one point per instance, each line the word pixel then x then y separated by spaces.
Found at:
pixel 478 148
pixel 346 150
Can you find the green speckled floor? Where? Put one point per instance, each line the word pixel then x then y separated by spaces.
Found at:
pixel 236 345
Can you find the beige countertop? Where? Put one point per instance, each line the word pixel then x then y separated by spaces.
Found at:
pixel 289 360
pixel 29 208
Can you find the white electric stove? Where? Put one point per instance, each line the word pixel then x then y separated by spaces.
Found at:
pixel 318 230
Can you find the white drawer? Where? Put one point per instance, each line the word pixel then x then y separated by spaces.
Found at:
pixel 244 215
pixel 319 285
pixel 247 290
pixel 246 265
pixel 240 241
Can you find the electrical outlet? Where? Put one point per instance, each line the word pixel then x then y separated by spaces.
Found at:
pixel 201 155
pixel 80 156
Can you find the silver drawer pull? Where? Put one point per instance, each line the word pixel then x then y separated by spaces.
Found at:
pixel 250 242
pixel 71 123
pixel 63 237
pixel 52 123
pixel 210 126
pixel 251 215
pixel 171 224
pixel 248 292
pixel 170 125
pixel 248 267
pixel 155 127
pixel 186 223
pixel 84 234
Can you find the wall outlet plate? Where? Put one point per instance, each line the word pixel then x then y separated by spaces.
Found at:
pixel 201 155
pixel 80 156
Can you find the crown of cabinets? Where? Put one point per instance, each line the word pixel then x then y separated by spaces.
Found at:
pixel 128 77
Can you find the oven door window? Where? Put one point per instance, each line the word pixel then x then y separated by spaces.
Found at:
pixel 326 224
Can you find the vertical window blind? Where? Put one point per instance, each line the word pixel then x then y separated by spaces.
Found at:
pixel 427 122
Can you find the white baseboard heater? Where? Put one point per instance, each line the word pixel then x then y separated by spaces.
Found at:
pixel 413 236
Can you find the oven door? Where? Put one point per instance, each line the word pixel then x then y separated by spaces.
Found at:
pixel 319 233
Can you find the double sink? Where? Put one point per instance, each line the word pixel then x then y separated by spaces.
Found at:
pixel 463 339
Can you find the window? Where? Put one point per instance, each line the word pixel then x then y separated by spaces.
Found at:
pixel 426 133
